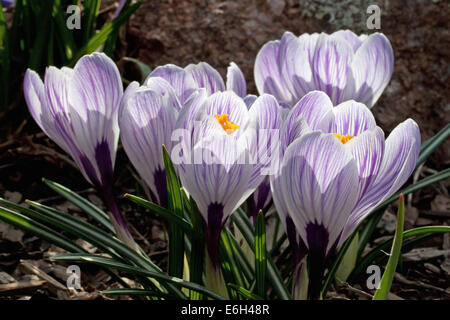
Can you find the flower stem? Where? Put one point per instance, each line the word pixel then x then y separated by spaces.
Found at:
pixel 117 219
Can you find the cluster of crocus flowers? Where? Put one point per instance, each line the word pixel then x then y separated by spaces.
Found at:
pixel 309 141
pixel 336 167
pixel 77 108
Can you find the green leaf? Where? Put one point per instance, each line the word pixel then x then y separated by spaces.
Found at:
pixel 348 261
pixel 244 264
pixel 334 267
pixel 231 270
pixel 197 253
pixel 144 69
pixel 41 41
pixel 107 262
pixel 99 38
pixel 431 144
pixel 442 175
pixel 244 292
pixel 375 216
pixel 26 224
pixel 65 36
pixel 90 16
pixel 85 231
pixel 273 274
pixel 163 212
pixel 379 250
pixel 386 281
pixel 136 292
pixel 89 208
pixel 260 255
pixel 176 243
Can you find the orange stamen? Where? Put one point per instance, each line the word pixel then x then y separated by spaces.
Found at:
pixel 343 139
pixel 226 124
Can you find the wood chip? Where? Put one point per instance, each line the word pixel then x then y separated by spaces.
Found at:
pixel 21 286
pixel 420 254
pixel 52 284
pixel 6 278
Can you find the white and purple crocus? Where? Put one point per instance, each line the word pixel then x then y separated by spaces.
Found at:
pixel 343 65
pixel 77 108
pixel 336 167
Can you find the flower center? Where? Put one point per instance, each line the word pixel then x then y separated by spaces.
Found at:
pixel 343 139
pixel 226 124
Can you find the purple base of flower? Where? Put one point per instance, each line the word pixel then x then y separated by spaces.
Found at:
pixel 298 246
pixel 161 187
pixel 213 228
pixel 254 205
pixel 317 237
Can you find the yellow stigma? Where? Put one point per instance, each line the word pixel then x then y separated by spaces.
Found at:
pixel 343 139
pixel 226 124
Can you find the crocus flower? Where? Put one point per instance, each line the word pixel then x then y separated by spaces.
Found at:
pixel 77 108
pixel 342 65
pixel 7 3
pixel 147 119
pixel 336 167
pixel 202 75
pixel 224 155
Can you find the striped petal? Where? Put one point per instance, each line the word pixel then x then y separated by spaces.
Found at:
pixel 316 109
pixel 331 66
pixel 146 123
pixel 33 89
pixel 264 136
pixel 236 80
pixel 353 118
pixel 349 36
pixel 367 149
pixel 95 94
pixel 218 177
pixel 206 77
pixel 319 180
pixel 182 82
pixel 372 69
pixel 295 59
pixel 268 78
pixel 399 160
